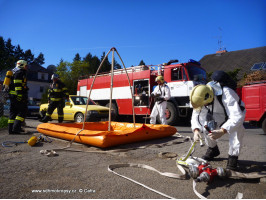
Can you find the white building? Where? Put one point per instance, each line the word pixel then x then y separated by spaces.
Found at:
pixel 39 79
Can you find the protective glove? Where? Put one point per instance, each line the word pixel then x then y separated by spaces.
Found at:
pixel 197 135
pixel 215 134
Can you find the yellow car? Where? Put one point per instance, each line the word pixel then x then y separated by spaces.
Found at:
pixel 75 108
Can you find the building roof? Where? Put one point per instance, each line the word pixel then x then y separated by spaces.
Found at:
pixel 228 61
pixel 36 68
pixel 32 73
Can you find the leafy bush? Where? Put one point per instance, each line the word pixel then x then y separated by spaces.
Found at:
pixel 252 77
pixel 3 122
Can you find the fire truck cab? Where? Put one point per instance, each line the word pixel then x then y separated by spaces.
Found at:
pixel 180 78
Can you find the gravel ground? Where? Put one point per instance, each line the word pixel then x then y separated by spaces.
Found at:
pixel 26 173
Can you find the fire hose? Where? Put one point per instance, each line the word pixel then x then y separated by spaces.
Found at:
pixel 199 169
pixel 171 175
pixel 32 141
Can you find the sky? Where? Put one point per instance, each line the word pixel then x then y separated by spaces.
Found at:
pixel 154 31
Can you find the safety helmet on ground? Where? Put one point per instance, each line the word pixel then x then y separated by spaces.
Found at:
pixel 159 78
pixel 201 95
pixel 55 76
pixel 21 64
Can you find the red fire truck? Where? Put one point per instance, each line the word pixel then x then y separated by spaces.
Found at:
pixel 254 97
pixel 180 78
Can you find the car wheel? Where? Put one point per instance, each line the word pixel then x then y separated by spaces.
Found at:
pixel 79 117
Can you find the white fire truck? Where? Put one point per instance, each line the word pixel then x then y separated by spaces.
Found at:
pixel 180 78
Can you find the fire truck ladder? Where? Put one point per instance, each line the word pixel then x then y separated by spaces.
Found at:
pixel 128 70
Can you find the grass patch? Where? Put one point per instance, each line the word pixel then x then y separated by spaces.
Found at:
pixel 3 122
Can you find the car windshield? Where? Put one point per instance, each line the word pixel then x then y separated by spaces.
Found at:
pixel 196 74
pixel 81 101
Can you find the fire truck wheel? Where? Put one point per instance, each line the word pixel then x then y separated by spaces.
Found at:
pixel 263 126
pixel 170 114
pixel 115 111
pixel 79 117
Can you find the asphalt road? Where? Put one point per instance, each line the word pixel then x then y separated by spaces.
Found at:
pixel 26 173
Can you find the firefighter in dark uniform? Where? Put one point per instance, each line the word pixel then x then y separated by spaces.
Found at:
pixel 56 99
pixel 18 94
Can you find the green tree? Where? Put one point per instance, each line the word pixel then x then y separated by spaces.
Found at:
pixel 61 60
pixel 94 64
pixel 106 67
pixel 78 69
pixel 19 54
pixel 209 76
pixel 88 57
pixel 10 50
pixel 69 74
pixel 9 47
pixel 40 59
pixel 10 54
pixel 117 65
pixel 142 63
pixel 234 74
pixel 2 53
pixel 77 57
pixel 28 56
pixel 45 97
pixel 7 59
pixel 63 69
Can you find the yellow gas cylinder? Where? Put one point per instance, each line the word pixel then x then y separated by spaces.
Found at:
pixel 7 80
pixel 32 141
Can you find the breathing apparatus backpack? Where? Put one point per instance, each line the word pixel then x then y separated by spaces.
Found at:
pixel 225 80
pixel 7 80
pixel 222 79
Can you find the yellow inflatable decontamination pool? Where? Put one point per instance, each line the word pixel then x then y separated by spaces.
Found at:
pixel 97 134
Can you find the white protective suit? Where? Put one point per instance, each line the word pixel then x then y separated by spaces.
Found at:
pixel 159 108
pixel 234 124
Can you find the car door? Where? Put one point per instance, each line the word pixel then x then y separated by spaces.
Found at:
pixel 68 110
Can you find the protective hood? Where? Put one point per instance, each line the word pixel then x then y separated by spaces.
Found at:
pixel 15 70
pixel 216 87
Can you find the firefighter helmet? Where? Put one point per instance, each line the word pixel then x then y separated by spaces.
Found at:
pixel 55 76
pixel 21 64
pixel 159 78
pixel 201 95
